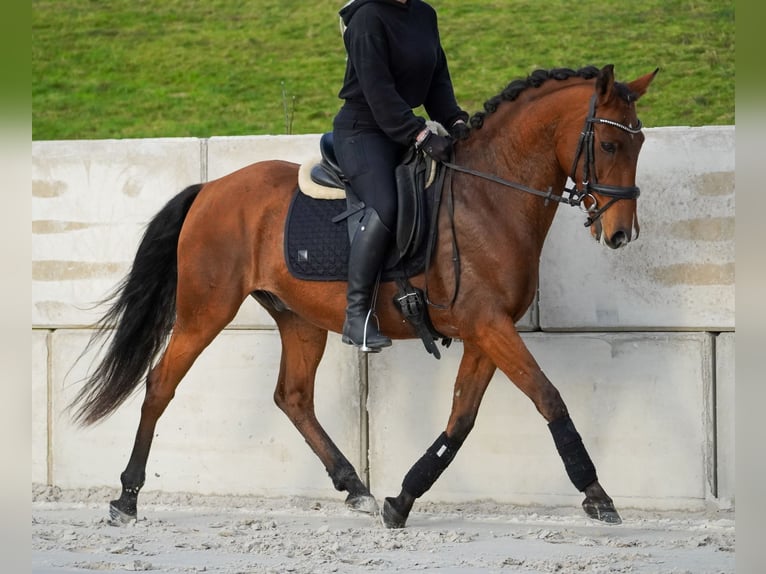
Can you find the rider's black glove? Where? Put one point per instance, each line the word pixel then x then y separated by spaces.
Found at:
pixel 459 130
pixel 438 147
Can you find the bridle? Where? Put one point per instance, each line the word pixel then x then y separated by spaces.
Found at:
pixel 585 150
pixel 575 196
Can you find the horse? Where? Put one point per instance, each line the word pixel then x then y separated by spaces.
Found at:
pixel 216 243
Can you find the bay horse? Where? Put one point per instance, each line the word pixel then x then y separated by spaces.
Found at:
pixel 215 244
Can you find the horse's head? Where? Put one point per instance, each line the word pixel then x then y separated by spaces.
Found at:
pixel 606 157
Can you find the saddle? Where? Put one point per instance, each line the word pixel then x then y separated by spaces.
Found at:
pixel 324 179
pixel 317 241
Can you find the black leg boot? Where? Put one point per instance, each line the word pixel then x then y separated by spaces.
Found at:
pixel 368 252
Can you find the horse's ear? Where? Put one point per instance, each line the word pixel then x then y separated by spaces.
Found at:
pixel 640 85
pixel 604 83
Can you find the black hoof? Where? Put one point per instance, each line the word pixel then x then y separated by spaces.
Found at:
pixel 391 517
pixel 602 511
pixel 120 515
pixel 363 503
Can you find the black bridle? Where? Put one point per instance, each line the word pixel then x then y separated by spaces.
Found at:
pixel 585 150
pixel 575 196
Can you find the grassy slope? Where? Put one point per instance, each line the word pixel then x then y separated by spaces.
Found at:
pixel 150 68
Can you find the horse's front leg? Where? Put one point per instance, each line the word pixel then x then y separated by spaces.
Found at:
pixel 303 345
pixel 474 375
pixel 504 346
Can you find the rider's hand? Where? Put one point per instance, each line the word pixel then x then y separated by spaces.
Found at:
pixel 438 147
pixel 459 130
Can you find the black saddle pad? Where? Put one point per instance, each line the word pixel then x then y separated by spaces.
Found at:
pixel 316 249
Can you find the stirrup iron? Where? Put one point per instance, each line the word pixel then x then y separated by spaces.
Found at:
pixel 363 347
pixel 370 312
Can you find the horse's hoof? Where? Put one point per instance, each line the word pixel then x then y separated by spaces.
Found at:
pixel 391 517
pixel 119 516
pixel 602 511
pixel 363 503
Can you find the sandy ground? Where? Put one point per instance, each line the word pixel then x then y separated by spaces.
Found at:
pixel 71 533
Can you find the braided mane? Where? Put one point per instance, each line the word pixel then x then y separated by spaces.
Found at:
pixel 534 80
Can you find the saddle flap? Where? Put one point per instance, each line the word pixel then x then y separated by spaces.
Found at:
pixel 411 216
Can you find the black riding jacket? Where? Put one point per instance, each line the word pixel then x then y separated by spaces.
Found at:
pixel 395 63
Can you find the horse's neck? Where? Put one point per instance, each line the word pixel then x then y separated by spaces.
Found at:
pixel 518 143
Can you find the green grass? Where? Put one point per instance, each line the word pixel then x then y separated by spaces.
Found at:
pixel 172 68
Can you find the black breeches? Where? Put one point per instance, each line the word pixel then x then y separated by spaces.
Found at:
pixel 368 158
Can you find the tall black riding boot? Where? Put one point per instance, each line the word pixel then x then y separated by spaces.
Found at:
pixel 368 252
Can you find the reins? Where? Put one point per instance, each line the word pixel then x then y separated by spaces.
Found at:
pixel 548 196
pixel 572 195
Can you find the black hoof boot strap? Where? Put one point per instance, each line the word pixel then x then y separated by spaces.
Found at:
pixel 577 463
pixel 429 467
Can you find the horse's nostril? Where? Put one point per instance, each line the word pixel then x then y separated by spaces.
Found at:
pixel 619 239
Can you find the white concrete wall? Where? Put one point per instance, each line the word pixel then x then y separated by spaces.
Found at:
pixel 90 202
pixel 647 378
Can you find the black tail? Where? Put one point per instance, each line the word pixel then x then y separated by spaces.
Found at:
pixel 140 318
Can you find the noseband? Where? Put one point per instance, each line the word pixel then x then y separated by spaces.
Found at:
pixel 585 151
pixel 574 196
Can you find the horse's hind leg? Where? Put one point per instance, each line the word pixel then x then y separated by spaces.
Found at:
pixel 475 372
pixel 161 384
pixel 191 334
pixel 303 345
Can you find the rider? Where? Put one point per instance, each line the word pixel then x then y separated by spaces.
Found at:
pixel 395 63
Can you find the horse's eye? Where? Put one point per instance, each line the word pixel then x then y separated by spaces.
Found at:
pixel 608 147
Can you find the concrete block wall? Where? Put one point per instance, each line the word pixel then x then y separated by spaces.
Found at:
pixel 640 343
